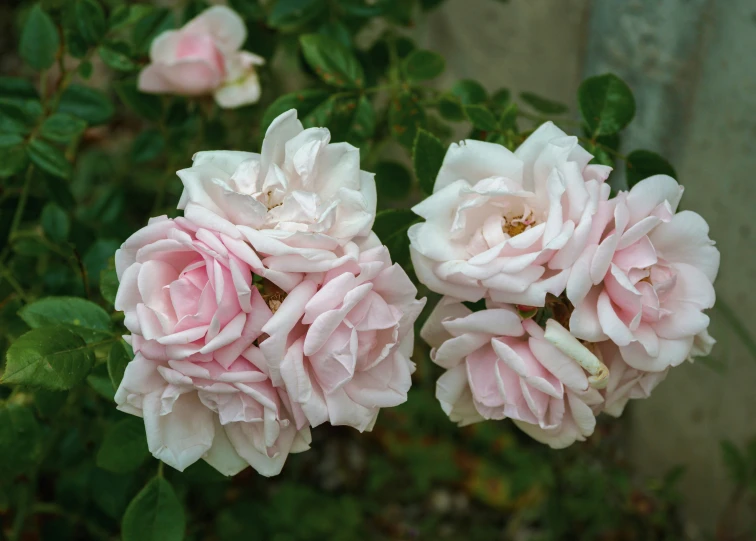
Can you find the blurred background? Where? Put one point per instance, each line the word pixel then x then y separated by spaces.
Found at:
pixel 680 466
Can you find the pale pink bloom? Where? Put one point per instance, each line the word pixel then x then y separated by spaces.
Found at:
pixel 298 203
pixel 500 367
pixel 646 277
pixel 199 379
pixel 625 382
pixel 342 348
pixel 508 225
pixel 202 58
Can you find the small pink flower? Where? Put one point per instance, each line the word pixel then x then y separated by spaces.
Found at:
pixel 507 226
pixel 500 367
pixel 199 379
pixel 646 277
pixel 202 58
pixel 342 348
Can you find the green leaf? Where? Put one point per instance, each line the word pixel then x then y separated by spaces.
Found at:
pixel 16 90
pixel 336 31
pixel 451 108
pixel 391 226
pixel 147 145
pixel 606 103
pixel 125 15
pixel 124 447
pixel 508 118
pixel 335 64
pixel 120 355
pixel 116 56
pixel 543 105
pixel 501 97
pixel 19 440
pixel 90 21
pixel 100 382
pixel 155 514
pixel 55 223
pixel 109 285
pixel 303 101
pixel 86 103
pixel 53 358
pixel 405 117
pixel 149 26
pixel 19 117
pixel 481 117
pixel 362 124
pixel 85 69
pixel 734 461
pixel 81 316
pixel 643 164
pixel 62 127
pixel 289 14
pixel 427 156
pixel 12 156
pixel 146 105
pixel 393 180
pixel 49 158
pixel 469 92
pixel 59 192
pixel 422 65
pixel 39 39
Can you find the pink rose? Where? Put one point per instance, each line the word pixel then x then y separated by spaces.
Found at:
pixel 199 379
pixel 625 382
pixel 298 203
pixel 501 367
pixel 342 348
pixel 646 277
pixel 507 225
pixel 202 58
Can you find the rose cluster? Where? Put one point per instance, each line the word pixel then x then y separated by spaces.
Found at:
pixel 267 309
pixel 560 302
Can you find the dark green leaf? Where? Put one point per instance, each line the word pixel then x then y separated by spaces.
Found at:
pixel 643 164
pixel 734 461
pixel 114 55
pixel 427 156
pixel 149 25
pixel 334 64
pixel 119 356
pixel 86 103
pixel 336 31
pixel 49 158
pixel 53 358
pixel 16 90
pixel 59 192
pixel 97 256
pixel 606 103
pixel 99 381
pixel 362 125
pixel 391 226
pixel 85 69
pixel 288 14
pixel 501 97
pixel 508 118
pixel 62 127
pixel 12 157
pixel 55 223
pixel 147 145
pixel 19 440
pixel 155 514
pixel 543 105
pixel 19 117
pixel 39 39
pixel 81 316
pixel 90 20
pixel 146 105
pixel 469 92
pixel 303 101
pixel 111 492
pixel 481 117
pixel 124 15
pixel 451 109
pixel 422 65
pixel 405 117
pixel 108 285
pixel 393 180
pixel 124 447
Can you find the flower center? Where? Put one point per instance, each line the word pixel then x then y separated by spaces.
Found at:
pixel 515 225
pixel 271 293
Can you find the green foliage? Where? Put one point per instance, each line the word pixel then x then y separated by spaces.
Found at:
pixel 124 447
pixel 427 156
pixel 540 104
pixel 422 65
pixel 332 62
pixel 155 514
pixel 391 226
pixel 606 103
pixel 19 440
pixel 39 39
pixel 643 164
pixel 83 317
